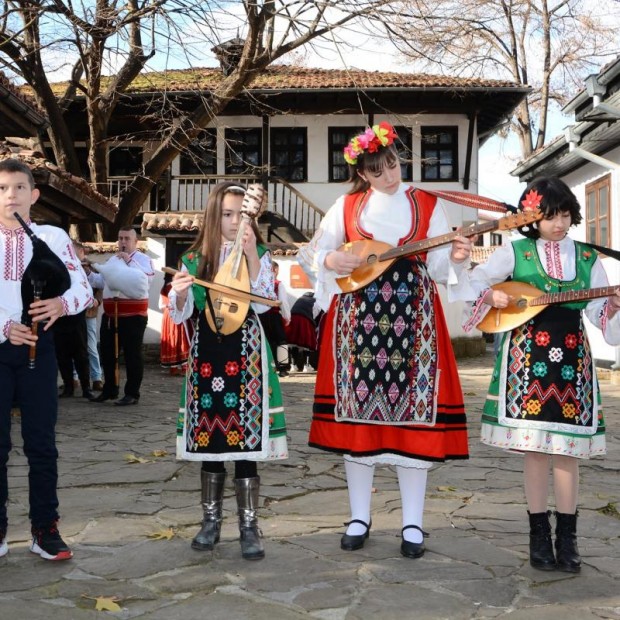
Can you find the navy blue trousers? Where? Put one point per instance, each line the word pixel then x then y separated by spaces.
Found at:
pixel 36 394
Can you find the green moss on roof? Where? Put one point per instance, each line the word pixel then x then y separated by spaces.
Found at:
pixel 282 77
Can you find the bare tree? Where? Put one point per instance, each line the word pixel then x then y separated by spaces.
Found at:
pixel 105 41
pixel 549 45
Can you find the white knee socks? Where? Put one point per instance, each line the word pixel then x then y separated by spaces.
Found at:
pixel 359 482
pixel 412 483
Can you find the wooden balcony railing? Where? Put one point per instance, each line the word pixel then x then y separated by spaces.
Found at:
pixel 189 193
pixel 294 207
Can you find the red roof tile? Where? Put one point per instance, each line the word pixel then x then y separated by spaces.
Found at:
pixel 283 77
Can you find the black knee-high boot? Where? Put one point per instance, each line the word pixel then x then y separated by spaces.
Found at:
pixel 541 547
pixel 247 490
pixel 566 549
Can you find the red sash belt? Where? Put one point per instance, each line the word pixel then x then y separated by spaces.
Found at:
pixel 126 307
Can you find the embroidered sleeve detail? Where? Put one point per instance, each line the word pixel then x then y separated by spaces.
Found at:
pixel 264 283
pixel 604 315
pixel 7 328
pixel 478 311
pixel 65 305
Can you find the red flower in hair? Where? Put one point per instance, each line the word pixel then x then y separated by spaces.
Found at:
pixel 531 201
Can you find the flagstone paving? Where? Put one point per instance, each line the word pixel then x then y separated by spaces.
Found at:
pixel 129 510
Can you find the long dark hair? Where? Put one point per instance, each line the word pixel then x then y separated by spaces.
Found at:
pixel 373 163
pixel 209 238
pixel 557 197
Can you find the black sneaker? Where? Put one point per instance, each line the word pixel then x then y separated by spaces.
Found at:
pixel 47 543
pixel 4 547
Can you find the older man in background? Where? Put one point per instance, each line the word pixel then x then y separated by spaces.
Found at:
pixel 125 279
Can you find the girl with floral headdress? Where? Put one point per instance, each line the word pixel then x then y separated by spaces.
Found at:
pixel 387 389
pixel 543 400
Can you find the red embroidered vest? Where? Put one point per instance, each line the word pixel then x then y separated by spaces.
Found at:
pixel 422 206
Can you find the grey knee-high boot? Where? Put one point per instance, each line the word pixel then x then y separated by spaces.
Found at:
pixel 212 498
pixel 247 490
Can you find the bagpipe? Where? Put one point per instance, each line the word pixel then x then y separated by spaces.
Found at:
pixel 45 277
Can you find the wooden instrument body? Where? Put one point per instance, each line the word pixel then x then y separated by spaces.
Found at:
pixel 230 312
pixel 370 269
pixel 518 310
pixel 528 301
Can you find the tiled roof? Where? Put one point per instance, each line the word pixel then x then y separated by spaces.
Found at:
pixel 480 254
pixel 108 247
pixel 283 77
pixel 187 221
pixel 36 161
pixel 20 94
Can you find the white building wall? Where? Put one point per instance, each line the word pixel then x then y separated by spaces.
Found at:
pixel 577 181
pixel 318 189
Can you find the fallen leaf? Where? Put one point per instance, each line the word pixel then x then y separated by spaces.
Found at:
pixel 159 453
pixel 132 458
pixel 162 534
pixel 446 488
pixel 105 603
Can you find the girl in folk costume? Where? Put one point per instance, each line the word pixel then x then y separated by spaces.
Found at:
pixel 543 399
pixel 231 406
pixel 174 346
pixel 387 387
pixel 274 322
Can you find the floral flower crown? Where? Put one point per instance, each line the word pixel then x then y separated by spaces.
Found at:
pixel 371 140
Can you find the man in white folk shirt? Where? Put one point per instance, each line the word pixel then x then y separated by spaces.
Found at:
pixel 125 279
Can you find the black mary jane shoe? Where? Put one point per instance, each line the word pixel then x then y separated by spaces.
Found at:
pixel 411 549
pixel 349 542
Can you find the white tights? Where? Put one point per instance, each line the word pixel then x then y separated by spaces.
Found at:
pixel 412 484
pixel 565 482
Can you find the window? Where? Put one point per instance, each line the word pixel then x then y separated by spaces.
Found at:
pixel 125 161
pixel 243 151
pixel 404 148
pixel 200 157
pixel 338 138
pixel 598 201
pixel 289 153
pixel 439 154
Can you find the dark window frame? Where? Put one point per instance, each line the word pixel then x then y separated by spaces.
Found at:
pixel 338 167
pixel 200 156
pixel 290 150
pixel 121 163
pixel 430 153
pixel 238 145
